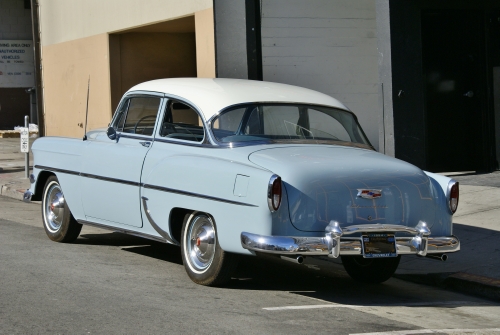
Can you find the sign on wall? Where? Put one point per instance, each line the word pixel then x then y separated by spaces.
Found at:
pixel 16 63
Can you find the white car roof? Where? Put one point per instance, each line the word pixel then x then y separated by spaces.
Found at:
pixel 210 96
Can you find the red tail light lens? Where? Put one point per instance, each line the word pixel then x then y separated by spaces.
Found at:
pixel 274 192
pixel 453 195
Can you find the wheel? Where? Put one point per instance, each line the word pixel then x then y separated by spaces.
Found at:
pixel 205 262
pixel 58 222
pixel 370 270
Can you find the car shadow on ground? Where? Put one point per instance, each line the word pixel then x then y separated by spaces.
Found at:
pixel 321 280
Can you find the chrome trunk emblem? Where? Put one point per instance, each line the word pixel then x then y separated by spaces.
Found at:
pixel 369 193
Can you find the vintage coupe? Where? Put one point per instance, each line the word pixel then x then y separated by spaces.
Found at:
pixel 223 167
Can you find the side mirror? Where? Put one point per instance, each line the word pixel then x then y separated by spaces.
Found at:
pixel 111 132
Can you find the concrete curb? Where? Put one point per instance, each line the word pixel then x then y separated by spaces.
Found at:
pixel 483 287
pixel 11 192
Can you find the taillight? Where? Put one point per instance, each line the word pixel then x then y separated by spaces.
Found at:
pixel 274 193
pixel 453 196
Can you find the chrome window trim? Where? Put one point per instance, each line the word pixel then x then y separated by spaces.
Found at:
pixel 250 143
pixel 448 194
pixel 138 94
pixel 134 137
pixel 207 136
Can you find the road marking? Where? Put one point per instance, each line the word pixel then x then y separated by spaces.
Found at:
pixel 434 331
pixel 410 304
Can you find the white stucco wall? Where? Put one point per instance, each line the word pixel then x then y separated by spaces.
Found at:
pixel 66 20
pixel 329 46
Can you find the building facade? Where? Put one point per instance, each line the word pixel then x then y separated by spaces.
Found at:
pixel 16 63
pixel 423 76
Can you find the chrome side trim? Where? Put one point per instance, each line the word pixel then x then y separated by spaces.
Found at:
pixel 113 180
pixel 122 230
pixel 153 187
pixel 47 168
pixel 160 231
pixel 196 195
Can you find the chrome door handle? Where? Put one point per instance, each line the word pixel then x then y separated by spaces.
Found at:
pixel 145 144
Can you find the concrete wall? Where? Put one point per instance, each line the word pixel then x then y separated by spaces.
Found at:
pixel 66 70
pixel 328 46
pixel 65 20
pixel 15 21
pixel 139 57
pixel 76 43
pixel 205 43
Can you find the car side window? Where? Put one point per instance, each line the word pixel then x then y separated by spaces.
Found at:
pixel 138 115
pixel 182 122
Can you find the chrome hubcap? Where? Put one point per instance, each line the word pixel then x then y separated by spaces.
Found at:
pixel 200 243
pixel 54 208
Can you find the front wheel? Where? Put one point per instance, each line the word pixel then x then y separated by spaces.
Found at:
pixel 58 222
pixel 205 262
pixel 370 270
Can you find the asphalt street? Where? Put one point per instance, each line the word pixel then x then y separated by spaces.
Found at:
pixel 110 283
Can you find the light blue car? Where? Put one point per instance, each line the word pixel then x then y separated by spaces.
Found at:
pixel 223 167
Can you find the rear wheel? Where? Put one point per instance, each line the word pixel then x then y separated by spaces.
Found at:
pixel 370 270
pixel 58 222
pixel 205 262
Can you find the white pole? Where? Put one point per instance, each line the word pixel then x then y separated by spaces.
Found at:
pixel 27 154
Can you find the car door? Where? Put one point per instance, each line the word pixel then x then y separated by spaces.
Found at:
pixel 167 167
pixel 112 167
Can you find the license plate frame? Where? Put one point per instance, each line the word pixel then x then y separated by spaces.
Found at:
pixel 379 245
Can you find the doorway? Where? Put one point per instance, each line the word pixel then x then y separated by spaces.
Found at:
pixel 455 91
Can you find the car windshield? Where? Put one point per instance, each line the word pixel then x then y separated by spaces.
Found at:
pixel 287 123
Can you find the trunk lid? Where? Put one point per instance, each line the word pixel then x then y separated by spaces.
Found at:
pixel 322 183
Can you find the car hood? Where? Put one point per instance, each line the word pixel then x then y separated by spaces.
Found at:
pixel 322 183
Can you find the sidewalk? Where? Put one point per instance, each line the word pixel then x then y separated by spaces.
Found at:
pixel 473 270
pixel 13 181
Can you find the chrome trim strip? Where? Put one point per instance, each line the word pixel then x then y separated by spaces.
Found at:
pixel 153 187
pixel 318 246
pixel 187 143
pixel 196 195
pixel 381 228
pixel 41 167
pixel 134 137
pixel 122 230
pixel 160 231
pixel 113 180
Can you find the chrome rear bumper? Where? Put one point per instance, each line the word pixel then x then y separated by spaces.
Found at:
pixel 335 242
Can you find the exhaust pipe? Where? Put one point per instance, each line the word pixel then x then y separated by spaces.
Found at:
pixel 438 257
pixel 299 259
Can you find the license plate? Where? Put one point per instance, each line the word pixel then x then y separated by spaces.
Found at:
pixel 379 245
